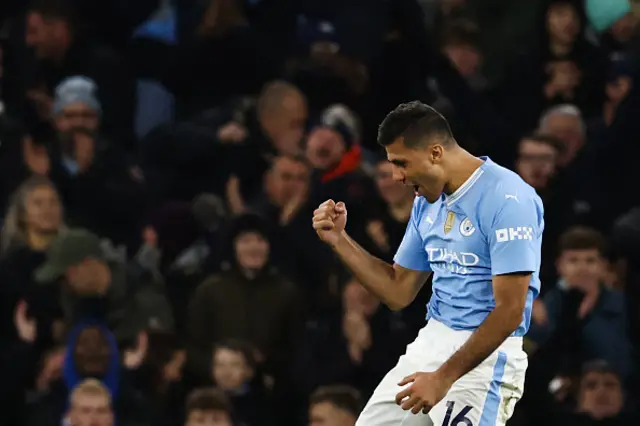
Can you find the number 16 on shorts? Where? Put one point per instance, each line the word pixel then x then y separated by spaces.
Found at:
pixel 459 419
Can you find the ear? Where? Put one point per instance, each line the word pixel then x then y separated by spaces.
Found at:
pixel 436 152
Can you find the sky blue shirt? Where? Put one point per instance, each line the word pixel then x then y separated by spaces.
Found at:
pixel 492 225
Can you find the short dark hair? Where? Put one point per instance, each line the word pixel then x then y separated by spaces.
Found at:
pixel 342 396
pixel 582 238
pixel 417 123
pixel 208 399
pixel 546 139
pixel 239 346
pixel 295 158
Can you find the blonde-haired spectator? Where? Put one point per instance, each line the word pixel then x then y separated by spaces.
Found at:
pixel 34 216
pixel 90 405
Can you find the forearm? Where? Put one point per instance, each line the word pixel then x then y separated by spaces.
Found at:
pixel 495 329
pixel 374 274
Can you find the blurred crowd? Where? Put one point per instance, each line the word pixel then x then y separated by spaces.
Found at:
pixel 160 161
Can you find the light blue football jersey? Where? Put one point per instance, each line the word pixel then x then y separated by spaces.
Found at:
pixel 491 225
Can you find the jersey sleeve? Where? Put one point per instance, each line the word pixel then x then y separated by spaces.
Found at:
pixel 411 253
pixel 515 234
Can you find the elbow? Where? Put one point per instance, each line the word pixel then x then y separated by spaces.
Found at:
pixel 398 303
pixel 512 319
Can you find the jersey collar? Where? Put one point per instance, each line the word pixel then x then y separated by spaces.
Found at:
pixel 466 186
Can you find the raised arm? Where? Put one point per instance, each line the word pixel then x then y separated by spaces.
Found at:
pixel 394 285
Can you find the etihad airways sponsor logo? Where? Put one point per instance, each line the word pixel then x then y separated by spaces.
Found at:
pixel 458 262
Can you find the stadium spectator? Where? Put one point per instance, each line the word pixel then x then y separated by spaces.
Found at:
pixel 199 244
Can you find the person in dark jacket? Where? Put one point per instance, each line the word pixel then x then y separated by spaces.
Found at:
pixel 134 301
pixel 249 300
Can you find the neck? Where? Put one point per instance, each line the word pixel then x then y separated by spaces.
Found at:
pixel 39 241
pixel 560 48
pixel 459 168
pixel 401 211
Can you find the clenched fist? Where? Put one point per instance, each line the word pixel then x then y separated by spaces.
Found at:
pixel 329 220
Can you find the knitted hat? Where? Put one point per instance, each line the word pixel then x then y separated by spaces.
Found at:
pixel 76 89
pixel 341 120
pixel 604 13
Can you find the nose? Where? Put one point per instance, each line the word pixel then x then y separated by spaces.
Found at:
pixel 397 175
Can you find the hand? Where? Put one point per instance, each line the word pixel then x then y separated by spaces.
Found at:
pixel 376 231
pixel 26 327
pixel 83 152
pixel 42 102
pixel 292 207
pixel 35 157
pixel 232 132
pixel 51 369
pixel 425 391
pixel 234 196
pixel 329 221
pixel 134 357
pixel 539 312
pixel 356 330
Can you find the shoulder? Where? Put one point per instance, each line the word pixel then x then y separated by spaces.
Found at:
pixel 505 189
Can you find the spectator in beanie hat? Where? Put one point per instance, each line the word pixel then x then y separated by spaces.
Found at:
pixel 333 149
pixel 76 104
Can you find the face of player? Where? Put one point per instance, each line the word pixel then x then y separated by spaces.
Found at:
pixel 252 250
pixel 600 395
pixel 562 23
pixel 230 369
pixel 327 414
pixel 208 418
pixel 392 192
pixel 42 210
pixel 536 163
pixel 91 410
pixel 420 168
pixel 581 268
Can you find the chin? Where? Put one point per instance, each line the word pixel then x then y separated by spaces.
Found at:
pixel 430 198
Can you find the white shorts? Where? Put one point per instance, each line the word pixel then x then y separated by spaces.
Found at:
pixel 486 396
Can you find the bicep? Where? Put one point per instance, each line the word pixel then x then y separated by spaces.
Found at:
pixel 410 279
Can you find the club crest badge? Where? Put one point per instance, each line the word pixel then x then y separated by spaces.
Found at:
pixel 467 228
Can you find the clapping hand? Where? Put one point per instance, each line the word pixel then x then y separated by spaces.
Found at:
pixel 26 327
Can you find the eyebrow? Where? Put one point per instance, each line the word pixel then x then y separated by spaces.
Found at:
pixel 400 163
